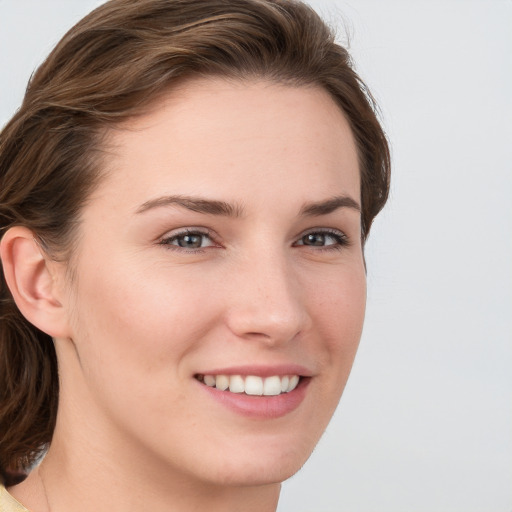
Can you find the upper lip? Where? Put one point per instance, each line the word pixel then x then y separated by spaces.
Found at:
pixel 261 370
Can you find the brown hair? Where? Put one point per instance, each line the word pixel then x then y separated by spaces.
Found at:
pixel 106 69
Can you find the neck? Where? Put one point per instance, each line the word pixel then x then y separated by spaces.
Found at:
pixel 88 479
pixel 91 466
pixel 58 485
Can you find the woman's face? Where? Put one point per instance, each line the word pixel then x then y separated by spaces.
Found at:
pixel 223 246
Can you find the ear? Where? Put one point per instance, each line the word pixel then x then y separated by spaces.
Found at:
pixel 33 279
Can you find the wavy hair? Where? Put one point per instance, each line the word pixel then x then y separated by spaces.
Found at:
pixel 108 68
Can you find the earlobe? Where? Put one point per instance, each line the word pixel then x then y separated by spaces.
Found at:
pixel 30 276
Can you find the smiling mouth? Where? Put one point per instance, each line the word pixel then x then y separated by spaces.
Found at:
pixel 252 385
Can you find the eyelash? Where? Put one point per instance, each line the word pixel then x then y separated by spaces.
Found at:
pixel 341 239
pixel 167 241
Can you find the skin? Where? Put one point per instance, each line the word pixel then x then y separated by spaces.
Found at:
pixel 142 315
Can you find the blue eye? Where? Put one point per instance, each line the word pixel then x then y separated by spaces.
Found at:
pixel 329 239
pixel 189 240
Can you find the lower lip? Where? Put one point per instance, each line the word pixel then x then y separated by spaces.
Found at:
pixel 263 407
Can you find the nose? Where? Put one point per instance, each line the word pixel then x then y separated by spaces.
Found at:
pixel 266 301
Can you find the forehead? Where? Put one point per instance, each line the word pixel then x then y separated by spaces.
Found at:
pixel 224 137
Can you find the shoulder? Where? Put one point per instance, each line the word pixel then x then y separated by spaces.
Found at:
pixel 8 503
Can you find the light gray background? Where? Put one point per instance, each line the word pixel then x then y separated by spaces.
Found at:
pixel 426 420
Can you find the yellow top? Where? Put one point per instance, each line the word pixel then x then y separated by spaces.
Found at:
pixel 8 503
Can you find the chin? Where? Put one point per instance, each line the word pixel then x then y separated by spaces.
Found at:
pixel 259 472
pixel 257 465
pixel 247 460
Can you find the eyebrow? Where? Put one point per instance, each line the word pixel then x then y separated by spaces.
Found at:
pixel 195 204
pixel 329 206
pixel 215 207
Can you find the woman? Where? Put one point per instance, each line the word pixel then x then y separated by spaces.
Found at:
pixel 185 196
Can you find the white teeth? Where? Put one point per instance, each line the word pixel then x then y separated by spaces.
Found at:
pixel 209 380
pixel 272 386
pixel 236 384
pixel 252 384
pixel 294 380
pixel 222 382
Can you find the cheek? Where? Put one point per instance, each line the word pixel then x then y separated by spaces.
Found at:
pixel 338 310
pixel 341 300
pixel 134 331
pixel 139 319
